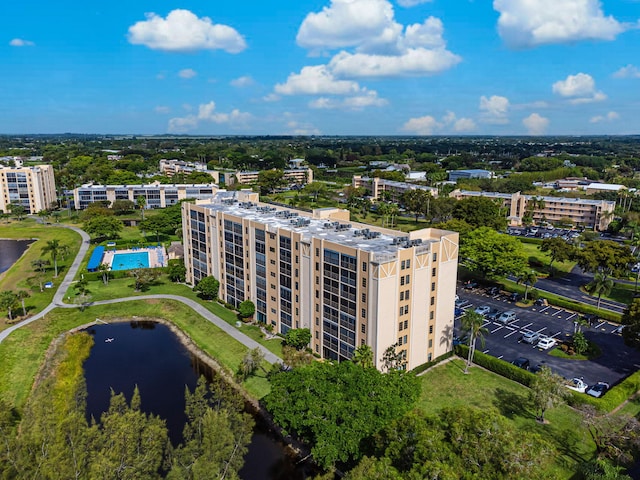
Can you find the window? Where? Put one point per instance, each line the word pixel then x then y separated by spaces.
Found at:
pixel 317 293
pixel 364 266
pixel 433 300
pixel 405 339
pixel 408 279
pixel 408 263
pixel 317 280
pixel 400 326
pixel 402 265
pixel 406 295
pixel 406 309
pixel 401 296
pixel 399 341
pixel 363 328
pixel 317 335
pixel 430 329
pixel 317 308
pixel 364 283
pixel 364 298
pixel 401 311
pixel 435 257
pixel 364 314
pixel 430 343
pixel 317 266
pixel 401 280
pixel 433 272
pixel 317 321
pixel 433 286
pixel 431 315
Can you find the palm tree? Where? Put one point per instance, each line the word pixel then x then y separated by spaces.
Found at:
pixel 141 202
pixel 363 356
pixel 601 285
pixel 22 295
pixel 104 268
pixel 7 302
pixel 529 279
pixel 472 324
pixel 53 248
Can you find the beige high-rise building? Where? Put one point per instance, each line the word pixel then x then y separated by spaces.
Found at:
pixel 351 284
pixel 32 187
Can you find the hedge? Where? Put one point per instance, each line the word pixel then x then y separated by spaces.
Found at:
pixel 497 365
pixel 425 366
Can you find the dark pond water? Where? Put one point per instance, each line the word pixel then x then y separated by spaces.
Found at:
pixel 150 356
pixel 10 251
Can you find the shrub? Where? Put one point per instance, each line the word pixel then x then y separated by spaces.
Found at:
pixel 497 365
pixel 427 365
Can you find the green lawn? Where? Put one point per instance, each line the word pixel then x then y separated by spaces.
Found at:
pixel 539 260
pixel 448 386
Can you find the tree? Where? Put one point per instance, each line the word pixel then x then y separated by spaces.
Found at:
pixel 416 201
pixel 600 469
pixel 559 250
pixel 480 212
pixel 472 324
pixel 493 254
pixel 631 322
pixel 298 338
pixel 143 277
pixel 547 391
pixel 270 180
pixel 207 288
pixel 535 204
pixel 17 210
pixel 177 271
pixel 122 207
pixel 392 359
pixel 388 211
pixel 39 267
pixel 606 257
pixel 22 295
pixel 250 363
pixel 529 279
pixel 600 285
pixel 363 356
pixel 103 227
pixel 53 248
pixel 616 437
pixel 8 301
pixel 83 292
pixel 315 189
pixel 141 203
pixel 157 224
pixel 246 309
pixel 580 343
pixel 105 269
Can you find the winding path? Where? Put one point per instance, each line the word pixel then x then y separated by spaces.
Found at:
pixel 58 302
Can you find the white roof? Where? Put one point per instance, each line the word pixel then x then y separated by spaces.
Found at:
pixel 605 186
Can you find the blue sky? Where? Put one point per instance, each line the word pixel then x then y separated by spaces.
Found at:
pixel 322 67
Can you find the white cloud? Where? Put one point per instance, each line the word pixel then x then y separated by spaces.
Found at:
pixel 187 73
pixel 412 3
pixel 609 117
pixel 20 42
pixel 162 109
pixel 630 71
pixel 207 113
pixel 429 125
pixel 580 88
pixel 183 31
pixel 297 128
pixel 316 80
pixel 271 97
pixel 494 109
pixel 241 82
pixel 535 124
pixel 368 98
pixel 529 23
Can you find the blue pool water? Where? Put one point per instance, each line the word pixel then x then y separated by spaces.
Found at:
pixel 128 261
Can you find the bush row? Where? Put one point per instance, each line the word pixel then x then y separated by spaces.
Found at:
pixel 497 365
pixel 425 366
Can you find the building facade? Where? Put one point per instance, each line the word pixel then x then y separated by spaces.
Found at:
pixel 156 195
pixel 350 284
pixel 583 212
pixel 32 187
pixel 455 175
pixel 376 186
pixel 300 176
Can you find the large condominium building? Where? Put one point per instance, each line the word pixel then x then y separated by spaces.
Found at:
pixel 376 186
pixel 350 284
pixel 301 176
pixel 588 213
pixel 32 187
pixel 173 167
pixel 156 195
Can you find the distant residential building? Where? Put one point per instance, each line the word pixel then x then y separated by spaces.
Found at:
pixel 32 187
pixel 416 176
pixel 351 284
pixel 571 183
pixel 455 175
pixel 604 187
pixel 301 176
pixel 172 167
pixel 589 213
pixel 157 195
pixel 375 186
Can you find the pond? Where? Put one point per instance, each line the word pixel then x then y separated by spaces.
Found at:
pixel 11 251
pixel 149 355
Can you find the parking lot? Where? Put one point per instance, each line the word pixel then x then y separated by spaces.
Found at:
pixel 504 341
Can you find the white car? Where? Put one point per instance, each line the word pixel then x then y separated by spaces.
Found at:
pixel 545 343
pixel 531 337
pixel 483 309
pixel 577 384
pixel 598 389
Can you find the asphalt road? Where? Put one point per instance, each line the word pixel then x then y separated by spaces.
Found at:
pixel 616 362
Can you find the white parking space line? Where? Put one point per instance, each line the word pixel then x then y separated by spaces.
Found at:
pixel 527 325
pixel 600 324
pixel 499 328
pixel 571 316
pixel 545 308
pixel 509 334
pixel 555 335
pixel 543 328
pixel 486 351
pixel 500 357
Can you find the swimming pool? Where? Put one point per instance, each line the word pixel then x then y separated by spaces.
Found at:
pixel 128 261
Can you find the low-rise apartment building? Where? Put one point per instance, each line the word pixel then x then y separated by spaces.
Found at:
pixel 588 213
pixel 376 186
pixel 301 176
pixel 156 195
pixel 351 284
pixel 32 187
pixel 455 175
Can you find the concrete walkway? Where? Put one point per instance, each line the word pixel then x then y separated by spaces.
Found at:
pixel 58 302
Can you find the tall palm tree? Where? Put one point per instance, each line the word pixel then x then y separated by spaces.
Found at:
pixel 141 202
pixel 53 248
pixel 472 324
pixel 529 279
pixel 363 356
pixel 22 295
pixel 601 285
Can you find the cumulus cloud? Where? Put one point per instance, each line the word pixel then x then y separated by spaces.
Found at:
pixel 207 113
pixel 187 73
pixel 609 117
pixel 494 109
pixel 630 71
pixel 316 80
pixel 530 23
pixel 241 82
pixel 535 124
pixel 368 98
pixel 580 88
pixel 373 43
pixel 20 42
pixel 429 125
pixel 298 128
pixel 183 31
pixel 412 3
pixel 162 109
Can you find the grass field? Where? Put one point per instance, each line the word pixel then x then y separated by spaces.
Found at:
pixel 448 386
pixel 540 260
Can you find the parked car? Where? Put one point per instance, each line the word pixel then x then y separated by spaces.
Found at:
pixel 514 297
pixel 541 302
pixel 577 384
pixel 545 343
pixel 536 368
pixel 464 340
pixel 506 317
pixel 531 337
pixel 598 389
pixel 521 362
pixel 470 285
pixel 493 291
pixel 483 309
pixel 493 314
pixel 457 311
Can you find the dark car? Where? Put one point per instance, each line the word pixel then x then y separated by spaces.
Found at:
pixel 470 285
pixel 536 368
pixel 458 311
pixel 514 297
pixel 493 314
pixel 598 389
pixel 493 291
pixel 521 362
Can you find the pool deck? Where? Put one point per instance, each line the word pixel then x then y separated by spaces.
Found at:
pixel 157 255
